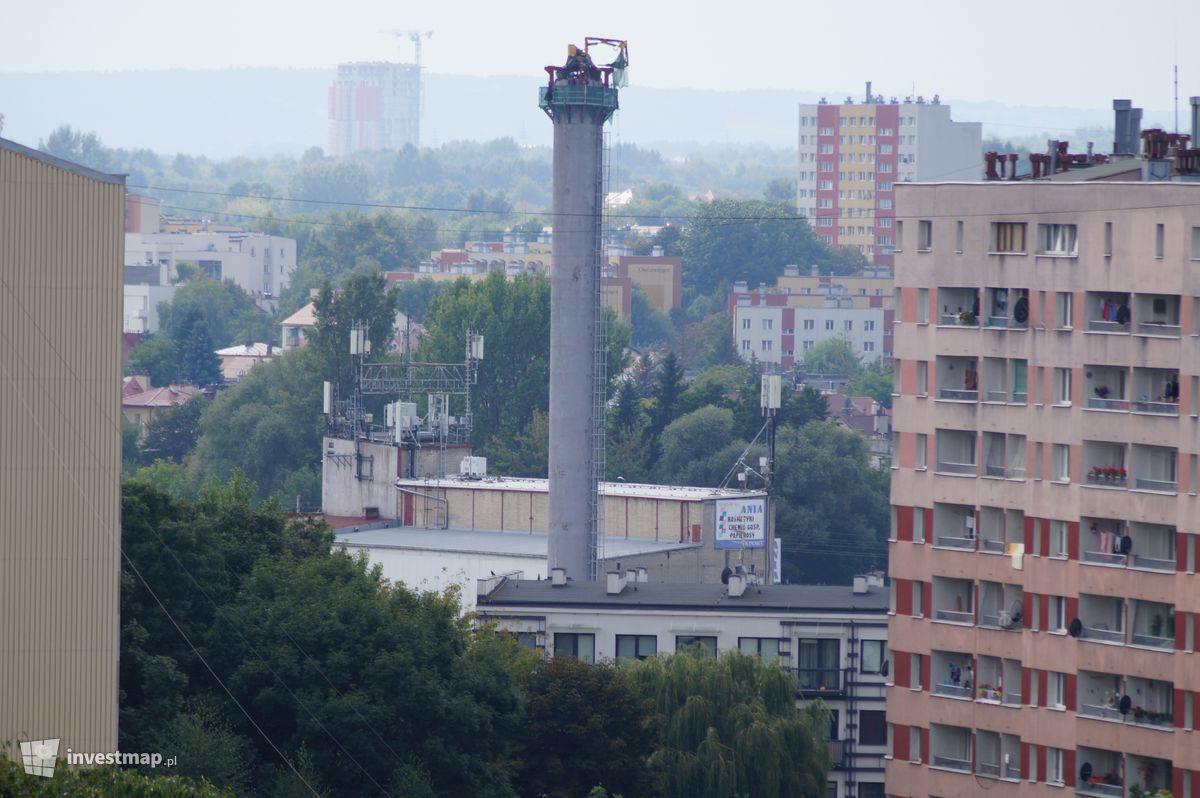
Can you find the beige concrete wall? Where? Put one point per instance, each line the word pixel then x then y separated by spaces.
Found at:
pixel 61 255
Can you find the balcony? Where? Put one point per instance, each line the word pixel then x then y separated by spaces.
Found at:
pixel 1152 624
pixel 1000 606
pixel 1157 391
pixel 1106 388
pixel 1101 773
pixel 1152 547
pixel 998 681
pixel 1108 312
pixel 958 379
pixel 995 380
pixel 960 307
pixel 1098 695
pixel 954 600
pixel 955 670
pixel 1006 308
pixel 1104 464
pixel 1103 619
pixel 956 452
pixel 818 681
pixel 991 528
pixel 954 526
pixel 1003 455
pixel 1157 314
pixel 998 756
pixel 1154 468
pixel 950 747
pixel 1153 775
pixel 1101 541
pixel 1151 703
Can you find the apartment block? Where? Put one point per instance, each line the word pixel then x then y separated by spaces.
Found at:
pixel 1045 603
pixel 830 638
pixel 374 105
pixel 852 155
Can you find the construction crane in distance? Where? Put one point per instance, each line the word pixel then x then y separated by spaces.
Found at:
pixel 415 36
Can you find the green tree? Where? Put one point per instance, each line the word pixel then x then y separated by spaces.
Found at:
pixel 365 298
pixel 831 506
pixel 627 458
pixel 694 447
pixel 229 314
pixel 668 386
pixel 78 147
pixel 387 240
pixel 269 425
pixel 628 410
pixel 780 190
pixel 157 358
pixel 414 298
pixel 874 381
pixel 584 725
pixel 650 325
pixel 207 749
pixel 833 356
pixel 109 781
pixel 198 361
pixel 526 454
pixel 730 726
pixel 172 434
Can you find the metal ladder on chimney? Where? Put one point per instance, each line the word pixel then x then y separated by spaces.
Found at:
pixel 599 371
pixel 849 763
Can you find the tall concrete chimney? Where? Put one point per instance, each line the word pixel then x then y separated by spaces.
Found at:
pixel 870 96
pixel 1195 102
pixel 1127 123
pixel 579 99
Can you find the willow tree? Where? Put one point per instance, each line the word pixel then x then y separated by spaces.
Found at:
pixel 730 727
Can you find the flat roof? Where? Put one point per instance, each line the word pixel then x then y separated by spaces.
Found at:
pixel 69 166
pixel 630 489
pixel 494 542
pixel 672 596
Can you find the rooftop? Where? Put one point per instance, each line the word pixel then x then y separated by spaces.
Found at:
pixel 660 595
pixel 169 396
pixel 630 489
pixel 304 317
pixel 514 544
pixel 68 166
pixel 249 350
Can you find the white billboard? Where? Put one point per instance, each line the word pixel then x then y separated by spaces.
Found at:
pixel 741 523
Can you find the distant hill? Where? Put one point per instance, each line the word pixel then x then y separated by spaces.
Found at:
pixel 261 112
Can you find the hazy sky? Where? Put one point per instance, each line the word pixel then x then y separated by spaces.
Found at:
pixel 1020 52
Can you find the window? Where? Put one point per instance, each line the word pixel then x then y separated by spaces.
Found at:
pixel 1061 465
pixel 1056 614
pixel 1058 239
pixel 1108 239
pixel 829 324
pixel 1159 240
pixel 872 727
pixel 807 345
pixel 925 234
pixel 1054 765
pixel 1008 237
pixel 958 236
pixel 1055 695
pixel 745 324
pixel 706 643
pixel 631 647
pixel 808 324
pixel 767 323
pixel 1062 386
pixel 819 664
pixel 580 646
pixel 868 346
pixel 767 648
pixel 918 600
pixel 766 346
pixel 746 344
pixel 919 512
pixel 922 378
pixel 1064 310
pixel 899 229
pixel 885 149
pixel 922 305
pixel 868 325
pixel 872 656
pixel 848 325
pixel 1058 539
pixel 1196 243
pixel 914 743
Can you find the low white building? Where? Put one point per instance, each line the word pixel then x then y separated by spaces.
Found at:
pixel 832 639
pixel 141 306
pixel 259 264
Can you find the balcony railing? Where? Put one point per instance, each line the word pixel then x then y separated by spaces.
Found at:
pixel 958 320
pixel 955 468
pixel 1152 641
pixel 1103 558
pixel 958 395
pixel 952 690
pixel 818 680
pixel 951 762
pixel 1099 325
pixel 1020 398
pixel 951 542
pixel 1157 408
pixel 1153 563
pixel 1104 635
pixel 1101 789
pixel 954 616
pixel 1096 403
pixel 1157 328
pixel 1107 481
pixel 1156 485
pixel 995 396
pixel 1157 720
pixel 1012 771
pixel 1102 712
pixel 988 769
pixel 992 546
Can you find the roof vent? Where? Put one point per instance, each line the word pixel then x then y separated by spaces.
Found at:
pixel 860 585
pixel 737 585
pixel 642 575
pixel 558 577
pixel 616 583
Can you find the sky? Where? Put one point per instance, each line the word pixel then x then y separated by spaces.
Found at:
pixel 1019 52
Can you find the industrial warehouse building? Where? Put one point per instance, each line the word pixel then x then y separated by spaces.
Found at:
pixel 61 241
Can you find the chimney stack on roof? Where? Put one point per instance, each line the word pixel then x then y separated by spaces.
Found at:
pixel 1128 125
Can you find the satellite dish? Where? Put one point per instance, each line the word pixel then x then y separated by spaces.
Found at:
pixel 725 574
pixel 1125 704
pixel 884 668
pixel 1085 772
pixel 1076 628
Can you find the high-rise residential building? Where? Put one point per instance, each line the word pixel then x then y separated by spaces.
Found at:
pixel 852 155
pixel 60 450
pixel 374 105
pixel 1044 547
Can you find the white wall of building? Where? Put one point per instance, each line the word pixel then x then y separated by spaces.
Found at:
pixel 862 327
pixel 141 306
pixel 261 265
